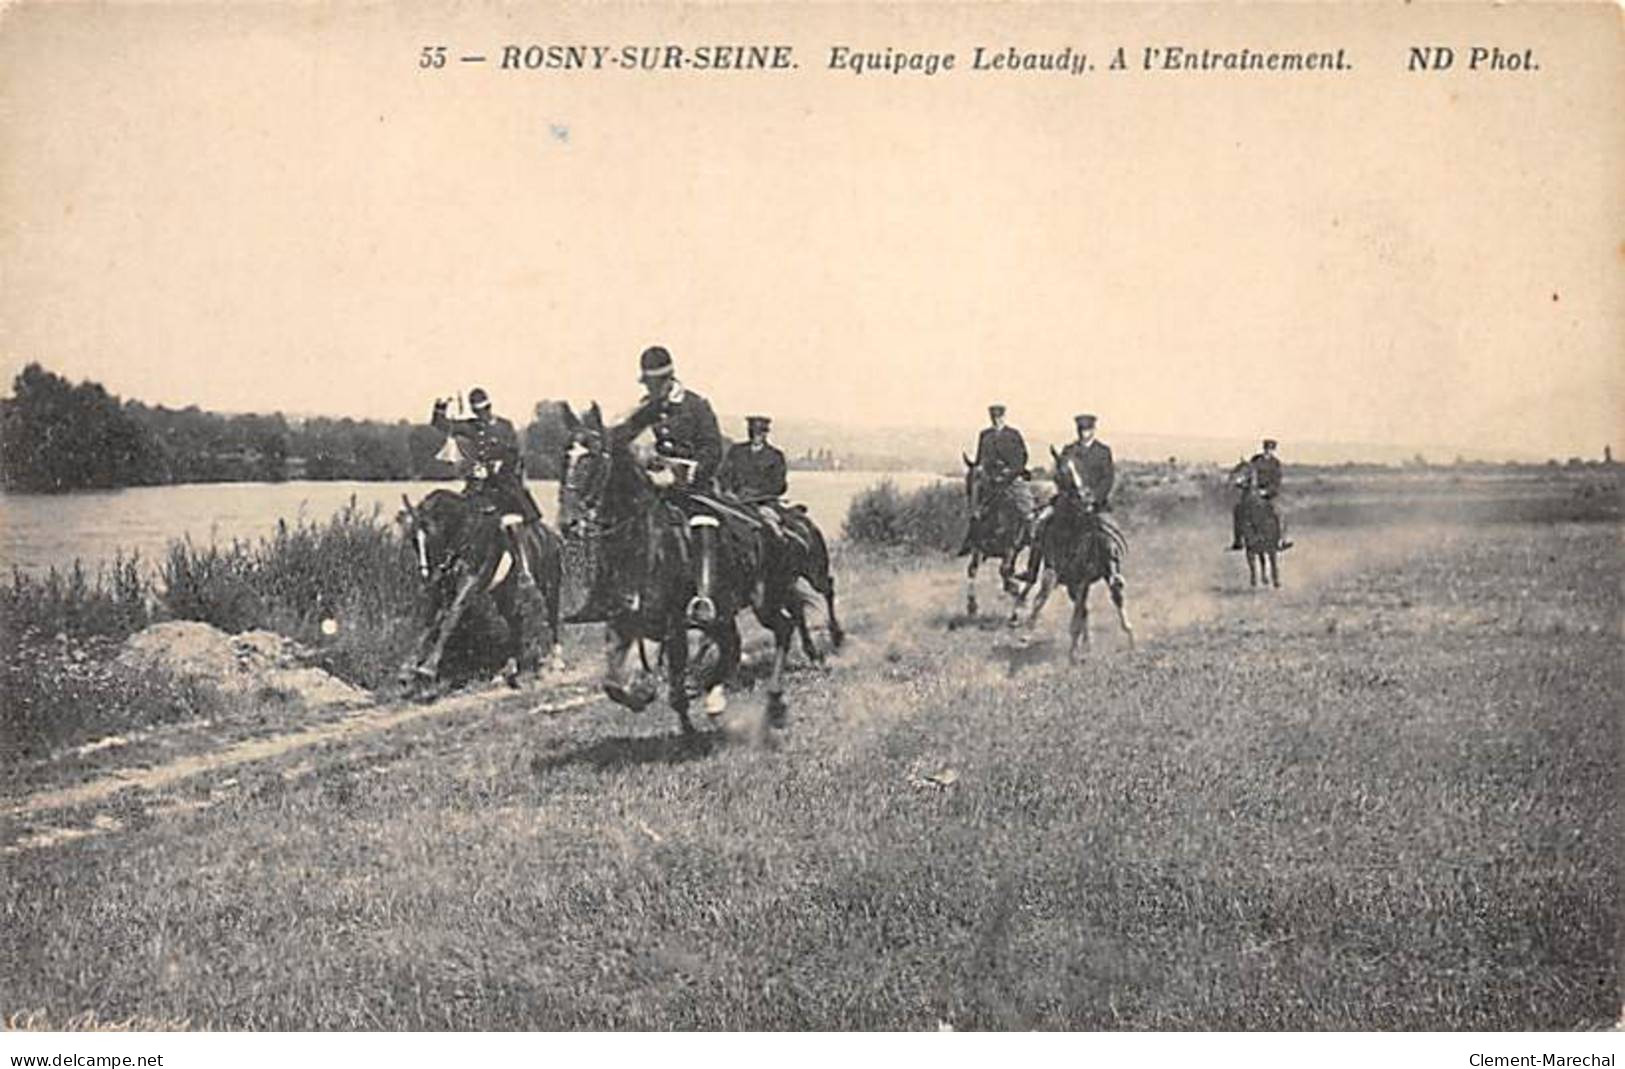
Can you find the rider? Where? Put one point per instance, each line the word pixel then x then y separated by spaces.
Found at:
pixel 690 445
pixel 1001 455
pixel 754 472
pixel 497 472
pixel 1097 472
pixel 1266 468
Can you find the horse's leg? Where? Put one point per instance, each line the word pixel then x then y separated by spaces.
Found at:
pixel 783 631
pixel 730 649
pixel 808 646
pixel 617 643
pixel 837 633
pixel 549 574
pixel 1016 593
pixel 1253 565
pixel 1275 569
pixel 970 581
pixel 1080 621
pixel 430 668
pixel 1046 584
pixel 676 658
pixel 513 619
pixel 1122 612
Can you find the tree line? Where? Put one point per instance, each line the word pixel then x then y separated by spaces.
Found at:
pixel 56 435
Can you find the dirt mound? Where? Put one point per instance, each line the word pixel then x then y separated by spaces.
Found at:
pixel 253 662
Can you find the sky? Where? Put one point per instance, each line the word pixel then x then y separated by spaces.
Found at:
pixel 273 208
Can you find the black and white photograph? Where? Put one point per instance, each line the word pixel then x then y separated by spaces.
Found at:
pixel 815 518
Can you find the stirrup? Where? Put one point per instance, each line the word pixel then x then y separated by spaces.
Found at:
pixel 702 610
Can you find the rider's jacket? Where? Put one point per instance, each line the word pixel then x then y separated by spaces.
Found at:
pixel 753 474
pixel 1001 452
pixel 494 443
pixel 684 426
pixel 1095 469
pixel 1269 473
pixel 493 446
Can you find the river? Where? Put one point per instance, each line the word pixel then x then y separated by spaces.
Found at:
pixel 40 531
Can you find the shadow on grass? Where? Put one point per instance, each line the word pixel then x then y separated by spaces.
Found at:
pixel 998 621
pixel 624 752
pixel 1022 651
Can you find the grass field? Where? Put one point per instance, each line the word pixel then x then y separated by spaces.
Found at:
pixel 1386 797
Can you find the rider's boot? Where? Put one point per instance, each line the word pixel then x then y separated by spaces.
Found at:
pixel 702 609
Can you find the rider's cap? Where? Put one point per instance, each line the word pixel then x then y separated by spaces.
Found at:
pixel 478 398
pixel 1084 420
pixel 1270 443
pixel 655 362
pixel 995 410
pixel 758 423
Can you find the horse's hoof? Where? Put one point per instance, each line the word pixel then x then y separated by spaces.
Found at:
pixel 630 699
pixel 716 701
pixel 684 722
pixel 777 710
pixel 970 609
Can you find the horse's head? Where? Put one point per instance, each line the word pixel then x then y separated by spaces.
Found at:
pixel 1244 477
pixel 1068 480
pixel 430 527
pixel 972 481
pixel 584 481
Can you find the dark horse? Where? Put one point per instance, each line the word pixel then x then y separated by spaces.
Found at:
pixel 1260 527
pixel 1080 547
pixel 462 549
pixel 646 576
pixel 807 557
pixel 998 528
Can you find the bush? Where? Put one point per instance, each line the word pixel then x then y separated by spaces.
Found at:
pixel 932 517
pixel 353 569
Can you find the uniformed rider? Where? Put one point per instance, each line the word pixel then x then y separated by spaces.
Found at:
pixel 1001 458
pixel 689 444
pixel 1091 460
pixel 754 471
pixel 1266 467
pixel 495 470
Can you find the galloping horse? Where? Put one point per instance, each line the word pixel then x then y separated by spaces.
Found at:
pixel 462 549
pixel 1260 527
pixel 1080 547
pixel 646 554
pixel 807 554
pixel 998 528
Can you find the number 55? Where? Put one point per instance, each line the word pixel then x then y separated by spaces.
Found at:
pixel 432 56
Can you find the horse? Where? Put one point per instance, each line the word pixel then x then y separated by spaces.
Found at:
pixel 808 558
pixel 1079 547
pixel 1260 527
pixel 997 528
pixel 647 547
pixel 462 550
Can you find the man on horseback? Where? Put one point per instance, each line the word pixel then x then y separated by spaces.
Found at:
pixel 495 476
pixel 1001 458
pixel 689 444
pixel 1088 460
pixel 1266 473
pixel 754 472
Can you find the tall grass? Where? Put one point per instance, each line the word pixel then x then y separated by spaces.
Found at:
pixel 353 570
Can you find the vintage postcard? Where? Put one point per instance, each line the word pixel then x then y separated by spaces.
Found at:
pixel 756 517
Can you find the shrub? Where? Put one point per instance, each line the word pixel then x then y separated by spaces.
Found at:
pixel 932 517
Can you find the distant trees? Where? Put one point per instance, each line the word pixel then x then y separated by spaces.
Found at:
pixel 57 436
